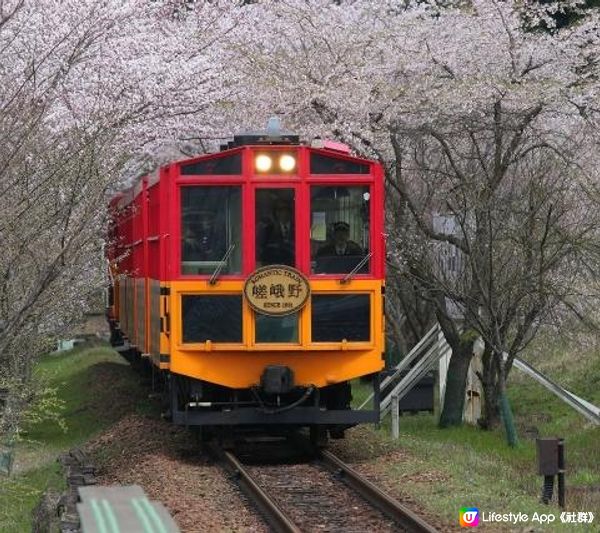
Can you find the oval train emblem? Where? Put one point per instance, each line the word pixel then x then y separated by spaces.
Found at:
pixel 276 290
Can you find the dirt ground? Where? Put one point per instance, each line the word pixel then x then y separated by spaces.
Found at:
pixel 164 461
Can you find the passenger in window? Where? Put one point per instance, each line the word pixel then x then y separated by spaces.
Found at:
pixel 202 240
pixel 278 237
pixel 341 244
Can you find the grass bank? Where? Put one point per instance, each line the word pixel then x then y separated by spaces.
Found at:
pixel 467 467
pixel 97 388
pixel 439 471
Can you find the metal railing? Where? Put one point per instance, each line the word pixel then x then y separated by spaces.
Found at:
pixel 432 347
pixel 415 374
pixel 588 410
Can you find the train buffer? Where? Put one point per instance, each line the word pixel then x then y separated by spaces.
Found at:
pixel 122 509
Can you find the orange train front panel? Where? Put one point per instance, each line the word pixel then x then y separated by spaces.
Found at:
pixel 315 359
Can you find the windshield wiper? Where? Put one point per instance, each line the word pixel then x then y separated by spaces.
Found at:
pixel 215 274
pixel 350 274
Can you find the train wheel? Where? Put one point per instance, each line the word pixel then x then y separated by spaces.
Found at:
pixel 318 436
pixel 226 437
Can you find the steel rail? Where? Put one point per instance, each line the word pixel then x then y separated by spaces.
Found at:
pixel 375 496
pixel 276 518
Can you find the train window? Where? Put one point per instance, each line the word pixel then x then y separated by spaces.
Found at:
pixel 339 232
pixel 341 316
pixel 211 230
pixel 277 328
pixel 226 166
pixel 322 164
pixel 275 227
pixel 214 318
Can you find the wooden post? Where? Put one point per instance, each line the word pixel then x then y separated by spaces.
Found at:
pixel 395 416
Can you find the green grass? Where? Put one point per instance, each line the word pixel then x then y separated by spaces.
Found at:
pixel 443 470
pixel 476 468
pixel 539 411
pixel 92 382
pixel 20 494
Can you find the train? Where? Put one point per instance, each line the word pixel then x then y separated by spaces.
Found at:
pixel 250 282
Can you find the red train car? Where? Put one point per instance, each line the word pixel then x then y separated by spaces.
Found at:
pixel 252 280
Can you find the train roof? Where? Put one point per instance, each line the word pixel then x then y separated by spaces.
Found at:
pixel 273 136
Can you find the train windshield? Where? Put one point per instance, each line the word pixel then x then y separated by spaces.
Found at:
pixel 339 233
pixel 275 227
pixel 210 227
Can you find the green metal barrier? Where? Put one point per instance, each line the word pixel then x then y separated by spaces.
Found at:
pixel 7 452
pixel 122 509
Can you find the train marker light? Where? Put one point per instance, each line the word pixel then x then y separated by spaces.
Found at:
pixel 263 163
pixel 287 162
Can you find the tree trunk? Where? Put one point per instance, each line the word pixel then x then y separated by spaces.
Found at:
pixel 396 345
pixel 456 381
pixel 496 406
pixel 489 382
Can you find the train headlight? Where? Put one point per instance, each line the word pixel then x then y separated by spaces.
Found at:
pixel 287 162
pixel 263 163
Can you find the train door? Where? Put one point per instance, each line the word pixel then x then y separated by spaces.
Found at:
pixel 277 241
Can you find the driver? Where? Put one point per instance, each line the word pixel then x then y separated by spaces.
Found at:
pixel 341 243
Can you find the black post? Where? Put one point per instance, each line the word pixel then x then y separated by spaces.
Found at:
pixel 547 489
pixel 561 473
pixel 548 452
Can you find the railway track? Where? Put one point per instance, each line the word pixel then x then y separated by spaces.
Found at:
pixel 318 493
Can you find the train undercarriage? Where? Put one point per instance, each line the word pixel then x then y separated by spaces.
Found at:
pixel 274 405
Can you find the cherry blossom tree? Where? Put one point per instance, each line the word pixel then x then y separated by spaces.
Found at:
pixel 92 94
pixel 484 114
pixel 482 122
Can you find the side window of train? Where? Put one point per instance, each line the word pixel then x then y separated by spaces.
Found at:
pixel 275 227
pixel 339 232
pixel 211 230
